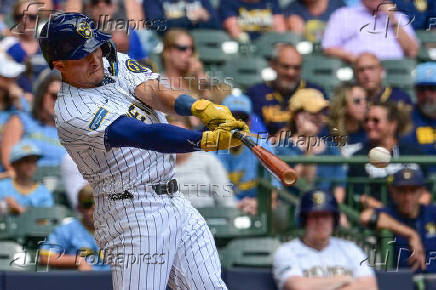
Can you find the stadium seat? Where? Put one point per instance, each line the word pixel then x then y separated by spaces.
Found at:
pixel 50 177
pixel 13 257
pixel 265 44
pixel 245 70
pixel 209 45
pixel 249 278
pixel 8 227
pixel 251 252
pixel 231 222
pixel 322 70
pixel 399 73
pixel 427 50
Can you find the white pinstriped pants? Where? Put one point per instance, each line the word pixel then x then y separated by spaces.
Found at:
pixel 154 240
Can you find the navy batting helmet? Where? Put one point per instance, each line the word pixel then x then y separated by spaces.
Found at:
pixel 317 201
pixel 72 36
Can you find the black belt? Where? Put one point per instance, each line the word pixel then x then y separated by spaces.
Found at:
pixel 168 188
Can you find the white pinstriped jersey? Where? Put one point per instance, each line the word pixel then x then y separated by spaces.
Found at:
pixel 82 115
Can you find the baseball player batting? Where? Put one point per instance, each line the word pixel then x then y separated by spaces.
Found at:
pixel 110 118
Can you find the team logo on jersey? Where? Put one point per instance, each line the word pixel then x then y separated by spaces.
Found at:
pixel 84 30
pixel 431 229
pixel 318 198
pixel 136 67
pixel 98 118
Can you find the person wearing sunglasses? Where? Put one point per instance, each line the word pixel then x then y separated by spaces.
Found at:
pixel 423 134
pixel 346 116
pixel 72 244
pixel 38 126
pixel 22 191
pixel 369 74
pixel 384 125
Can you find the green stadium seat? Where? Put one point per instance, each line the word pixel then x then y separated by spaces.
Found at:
pixel 8 227
pixel 51 177
pixel 322 71
pixel 399 73
pixel 252 252
pixel 209 45
pixel 427 51
pixel 265 44
pixel 13 257
pixel 245 70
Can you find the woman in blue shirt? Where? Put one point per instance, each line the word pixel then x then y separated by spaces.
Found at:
pixel 39 126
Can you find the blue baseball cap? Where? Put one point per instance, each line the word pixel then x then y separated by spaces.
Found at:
pixel 408 177
pixel 238 103
pixel 426 74
pixel 23 149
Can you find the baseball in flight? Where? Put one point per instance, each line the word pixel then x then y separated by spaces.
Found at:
pixel 379 157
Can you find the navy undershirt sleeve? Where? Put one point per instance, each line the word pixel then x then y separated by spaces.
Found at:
pixel 164 138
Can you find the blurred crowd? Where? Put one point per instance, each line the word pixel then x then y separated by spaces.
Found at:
pixel 305 118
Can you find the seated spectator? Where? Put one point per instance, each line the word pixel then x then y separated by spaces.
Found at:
pixel 23 46
pixel 317 260
pixel 72 244
pixel 187 14
pixel 307 108
pixel 407 190
pixel 423 134
pixel 201 177
pixel 245 20
pixel 360 35
pixel 271 99
pixel 347 115
pixel 369 72
pixel 21 191
pixel 423 11
pixel 38 126
pixel 384 125
pixel 241 164
pixel 103 12
pixel 309 17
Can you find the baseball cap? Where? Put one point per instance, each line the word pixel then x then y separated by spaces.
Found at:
pixel 408 176
pixel 23 149
pixel 310 100
pixel 426 74
pixel 238 103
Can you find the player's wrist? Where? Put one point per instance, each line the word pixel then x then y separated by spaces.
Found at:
pixel 183 105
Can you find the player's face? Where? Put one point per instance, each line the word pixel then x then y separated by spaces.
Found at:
pixel 181 53
pixel 288 68
pixel 356 104
pixel 368 72
pixel 25 167
pixel 406 199
pixel 378 126
pixel 87 72
pixel 319 225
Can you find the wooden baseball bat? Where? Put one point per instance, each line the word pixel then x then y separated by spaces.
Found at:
pixel 278 168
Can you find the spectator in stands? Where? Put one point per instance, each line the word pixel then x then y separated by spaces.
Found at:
pixel 347 115
pixel 245 20
pixel 360 35
pixel 407 189
pixel 384 125
pixel 308 109
pixel 369 74
pixel 72 244
pixel 22 191
pixel 186 14
pixel 424 114
pixel 241 164
pixel 201 176
pixel 23 46
pixel 38 126
pixel 317 260
pixel 103 12
pixel 309 17
pixel 423 11
pixel 271 99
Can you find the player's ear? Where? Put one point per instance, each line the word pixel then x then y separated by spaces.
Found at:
pixel 59 65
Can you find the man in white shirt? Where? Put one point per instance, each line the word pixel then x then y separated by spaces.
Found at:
pixel 317 260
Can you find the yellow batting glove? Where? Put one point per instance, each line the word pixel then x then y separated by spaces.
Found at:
pixel 211 114
pixel 218 139
pixel 232 125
